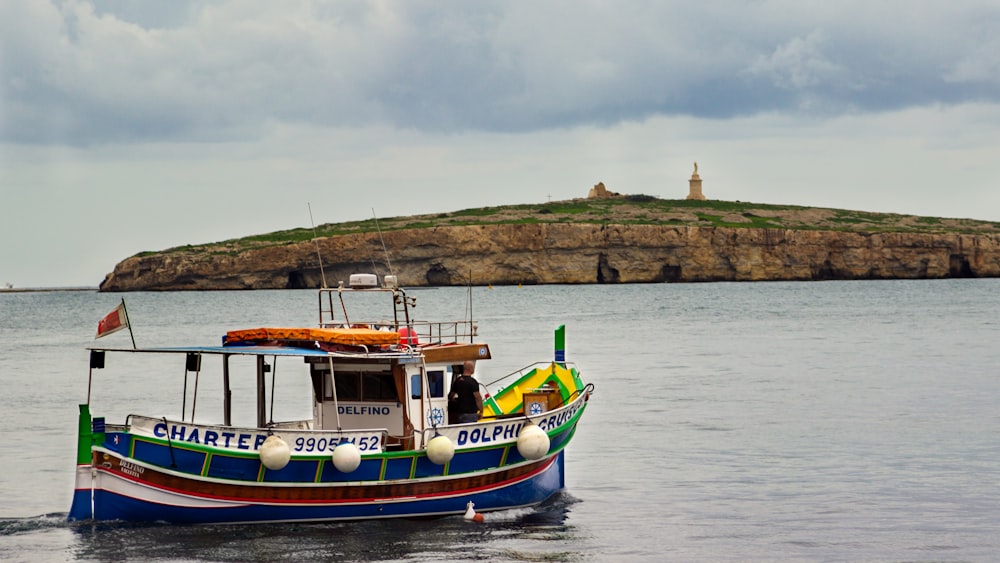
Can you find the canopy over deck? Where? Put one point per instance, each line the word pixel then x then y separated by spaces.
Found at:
pixel 233 350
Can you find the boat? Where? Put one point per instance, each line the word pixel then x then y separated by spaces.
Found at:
pixel 379 443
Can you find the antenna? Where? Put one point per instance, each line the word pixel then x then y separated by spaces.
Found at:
pixel 371 259
pixel 381 240
pixel 316 242
pixel 472 330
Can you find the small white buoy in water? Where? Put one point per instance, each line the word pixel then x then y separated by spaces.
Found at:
pixel 471 514
pixel 346 457
pixel 440 450
pixel 274 453
pixel 532 441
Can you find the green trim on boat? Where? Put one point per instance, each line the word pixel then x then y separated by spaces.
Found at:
pixel 85 436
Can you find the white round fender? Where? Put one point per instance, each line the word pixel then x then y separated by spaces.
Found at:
pixel 274 453
pixel 532 441
pixel 346 457
pixel 440 450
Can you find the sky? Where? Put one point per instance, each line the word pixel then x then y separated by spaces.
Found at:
pixel 130 126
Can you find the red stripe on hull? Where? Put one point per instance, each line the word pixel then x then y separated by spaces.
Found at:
pixel 281 493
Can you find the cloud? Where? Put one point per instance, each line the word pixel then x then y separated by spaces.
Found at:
pixel 82 73
pixel 797 64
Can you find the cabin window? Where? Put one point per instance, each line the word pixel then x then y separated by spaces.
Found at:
pixel 435 383
pixel 415 386
pixel 360 386
pixel 348 386
pixel 378 386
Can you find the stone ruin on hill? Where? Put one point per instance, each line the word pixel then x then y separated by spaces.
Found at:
pixel 600 192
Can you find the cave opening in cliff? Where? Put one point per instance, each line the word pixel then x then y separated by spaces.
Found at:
pixel 296 280
pixel 670 273
pixel 605 273
pixel 959 267
pixel 438 275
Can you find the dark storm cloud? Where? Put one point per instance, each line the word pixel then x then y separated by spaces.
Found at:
pixel 119 70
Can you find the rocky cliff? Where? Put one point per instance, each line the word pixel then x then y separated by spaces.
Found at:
pixel 571 253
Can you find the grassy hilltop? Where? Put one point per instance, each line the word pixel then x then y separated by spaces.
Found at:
pixel 626 209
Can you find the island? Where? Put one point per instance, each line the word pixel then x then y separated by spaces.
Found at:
pixel 610 239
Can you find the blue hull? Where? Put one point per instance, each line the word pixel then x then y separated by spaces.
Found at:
pixel 110 505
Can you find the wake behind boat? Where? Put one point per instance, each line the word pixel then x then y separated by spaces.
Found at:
pixel 380 443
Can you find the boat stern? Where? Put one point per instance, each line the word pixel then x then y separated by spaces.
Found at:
pixel 83 495
pixel 83 506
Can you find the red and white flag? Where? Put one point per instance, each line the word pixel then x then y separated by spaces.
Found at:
pixel 113 322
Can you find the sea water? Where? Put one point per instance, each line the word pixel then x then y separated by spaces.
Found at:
pixel 836 421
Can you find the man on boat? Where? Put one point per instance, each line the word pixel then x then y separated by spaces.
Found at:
pixel 465 395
